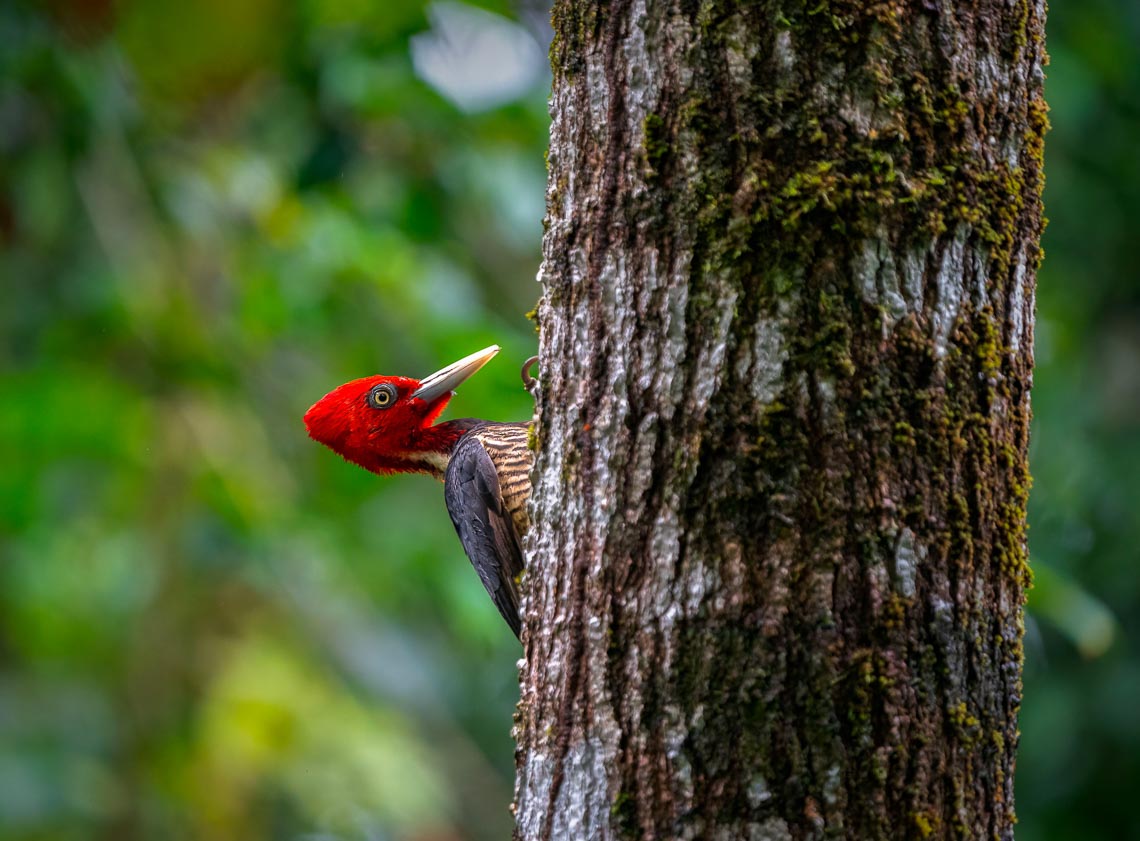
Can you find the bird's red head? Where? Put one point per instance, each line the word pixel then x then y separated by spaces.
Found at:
pixel 385 424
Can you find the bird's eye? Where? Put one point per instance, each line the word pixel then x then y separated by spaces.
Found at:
pixel 382 396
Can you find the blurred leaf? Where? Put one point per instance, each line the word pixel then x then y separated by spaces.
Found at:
pixel 187 51
pixel 1082 618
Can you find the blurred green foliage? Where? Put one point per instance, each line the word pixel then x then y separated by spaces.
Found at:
pixel 213 212
pixel 1079 762
pixel 210 214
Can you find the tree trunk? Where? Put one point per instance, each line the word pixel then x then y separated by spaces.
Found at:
pixel 778 564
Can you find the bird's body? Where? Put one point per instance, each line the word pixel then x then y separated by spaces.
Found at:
pixel 486 487
pixel 386 425
pixel 506 447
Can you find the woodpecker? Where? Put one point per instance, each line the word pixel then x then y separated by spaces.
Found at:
pixel 387 425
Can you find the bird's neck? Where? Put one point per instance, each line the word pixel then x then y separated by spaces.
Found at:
pixel 434 445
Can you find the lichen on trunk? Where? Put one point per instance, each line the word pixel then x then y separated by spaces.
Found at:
pixel 776 575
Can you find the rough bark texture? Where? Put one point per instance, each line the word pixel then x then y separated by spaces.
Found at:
pixel 776 579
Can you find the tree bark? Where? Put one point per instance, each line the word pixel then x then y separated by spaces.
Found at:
pixel 778 564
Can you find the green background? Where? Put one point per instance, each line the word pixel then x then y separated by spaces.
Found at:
pixel 213 212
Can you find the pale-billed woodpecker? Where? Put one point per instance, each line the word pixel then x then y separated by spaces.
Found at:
pixel 387 425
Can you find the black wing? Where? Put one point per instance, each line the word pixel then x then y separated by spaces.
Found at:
pixel 475 503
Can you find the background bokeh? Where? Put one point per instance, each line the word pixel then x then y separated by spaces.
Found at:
pixel 213 212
